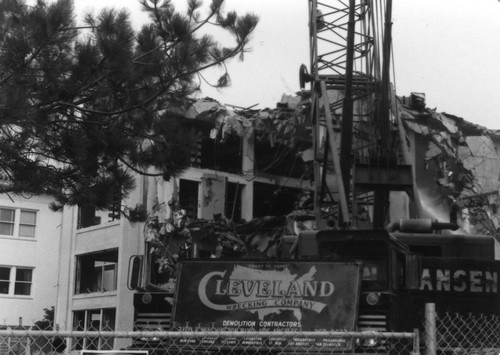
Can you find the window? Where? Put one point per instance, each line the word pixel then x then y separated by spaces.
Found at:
pixel 89 215
pixel 22 286
pixel 274 200
pixel 7 219
pixel 27 223
pixel 15 280
pixel 223 155
pixel 374 254
pixel 233 201
pixel 4 280
pixel 219 197
pixel 97 272
pixel 17 222
pixel 94 320
pixel 280 159
pixel 188 197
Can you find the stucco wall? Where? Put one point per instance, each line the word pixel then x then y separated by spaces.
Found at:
pixel 40 253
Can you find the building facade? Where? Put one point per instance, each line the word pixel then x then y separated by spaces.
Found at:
pixel 30 235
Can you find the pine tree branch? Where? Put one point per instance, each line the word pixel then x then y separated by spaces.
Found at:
pixel 80 108
pixel 141 172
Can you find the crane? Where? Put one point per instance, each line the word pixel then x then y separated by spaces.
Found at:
pixel 354 123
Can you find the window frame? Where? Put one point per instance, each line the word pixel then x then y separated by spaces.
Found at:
pixel 11 223
pixel 16 224
pixel 26 224
pixel 6 281
pixel 20 284
pixel 83 321
pixel 90 216
pixel 13 282
pixel 90 272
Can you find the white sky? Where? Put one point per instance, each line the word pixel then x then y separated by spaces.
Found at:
pixel 448 49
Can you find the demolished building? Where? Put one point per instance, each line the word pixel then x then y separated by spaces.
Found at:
pixel 456 166
pixel 456 162
pixel 456 170
pixel 251 182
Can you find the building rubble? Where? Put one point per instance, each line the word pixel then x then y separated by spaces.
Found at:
pixel 457 166
pixel 457 169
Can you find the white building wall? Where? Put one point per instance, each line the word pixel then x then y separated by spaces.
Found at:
pixel 114 235
pixel 40 253
pixel 121 235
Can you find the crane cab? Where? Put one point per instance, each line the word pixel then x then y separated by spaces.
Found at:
pixel 389 269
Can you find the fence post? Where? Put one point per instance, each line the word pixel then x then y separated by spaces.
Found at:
pixel 416 342
pixel 430 329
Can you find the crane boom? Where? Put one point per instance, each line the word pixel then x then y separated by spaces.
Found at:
pixel 350 51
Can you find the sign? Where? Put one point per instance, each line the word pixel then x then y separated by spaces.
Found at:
pixel 460 275
pixel 221 295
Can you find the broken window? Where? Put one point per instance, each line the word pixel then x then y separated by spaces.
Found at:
pixel 213 194
pixel 279 159
pixel 89 216
pixel 222 155
pixel 273 200
pixel 211 152
pixel 94 320
pixel 188 197
pixel 97 272
pixel 233 201
pixel 218 197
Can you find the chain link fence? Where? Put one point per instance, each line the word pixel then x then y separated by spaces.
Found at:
pixel 443 333
pixel 24 342
pixel 455 333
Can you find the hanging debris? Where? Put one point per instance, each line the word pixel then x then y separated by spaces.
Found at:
pixel 286 124
pixel 456 163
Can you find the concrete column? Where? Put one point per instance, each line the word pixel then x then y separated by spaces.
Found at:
pixel 65 282
pixel 248 166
